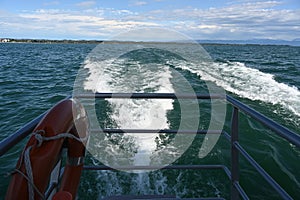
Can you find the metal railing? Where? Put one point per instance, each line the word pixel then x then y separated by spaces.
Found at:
pixel 236 148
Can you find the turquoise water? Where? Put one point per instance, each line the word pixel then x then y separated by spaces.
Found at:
pixel 35 76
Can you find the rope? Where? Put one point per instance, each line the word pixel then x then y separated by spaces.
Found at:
pixel 35 188
pixel 29 172
pixel 29 176
pixel 26 156
pixel 41 138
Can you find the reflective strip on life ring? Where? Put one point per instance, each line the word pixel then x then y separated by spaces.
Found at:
pixel 43 158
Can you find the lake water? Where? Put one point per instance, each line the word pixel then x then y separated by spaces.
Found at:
pixel 33 77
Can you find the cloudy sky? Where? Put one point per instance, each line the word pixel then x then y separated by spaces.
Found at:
pixel 198 19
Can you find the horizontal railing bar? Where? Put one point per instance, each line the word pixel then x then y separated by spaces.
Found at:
pixel 169 131
pixel 9 142
pixel 284 132
pixel 226 135
pixel 161 197
pixel 150 96
pixel 262 172
pixel 152 167
pixel 227 171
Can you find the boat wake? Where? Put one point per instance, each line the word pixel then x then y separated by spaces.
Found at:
pixel 127 74
pixel 247 82
pixel 131 76
pixel 146 72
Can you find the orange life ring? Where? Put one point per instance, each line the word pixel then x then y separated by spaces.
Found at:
pixel 44 157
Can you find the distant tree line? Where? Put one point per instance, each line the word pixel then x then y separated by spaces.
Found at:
pixel 55 41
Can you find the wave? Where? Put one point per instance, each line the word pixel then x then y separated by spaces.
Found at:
pixel 129 75
pixel 124 75
pixel 247 82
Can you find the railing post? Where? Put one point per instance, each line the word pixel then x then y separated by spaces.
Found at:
pixel 234 153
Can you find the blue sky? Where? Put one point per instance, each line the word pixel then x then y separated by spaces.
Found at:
pixel 198 19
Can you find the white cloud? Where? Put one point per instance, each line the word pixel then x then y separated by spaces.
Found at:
pixel 86 4
pixel 150 34
pixel 247 20
pixel 236 21
pixel 66 22
pixel 139 3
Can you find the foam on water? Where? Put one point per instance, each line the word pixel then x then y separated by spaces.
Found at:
pixel 123 75
pixel 247 82
pixel 130 76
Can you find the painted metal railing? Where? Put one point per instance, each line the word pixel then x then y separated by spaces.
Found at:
pixel 236 148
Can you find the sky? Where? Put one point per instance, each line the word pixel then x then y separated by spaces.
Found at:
pixel 198 19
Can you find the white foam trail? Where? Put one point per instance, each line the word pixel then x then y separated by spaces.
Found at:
pixel 247 82
pixel 114 76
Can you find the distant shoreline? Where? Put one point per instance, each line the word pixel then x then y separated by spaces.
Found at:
pixel 47 41
pixel 201 42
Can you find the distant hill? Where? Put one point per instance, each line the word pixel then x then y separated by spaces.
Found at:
pixel 295 42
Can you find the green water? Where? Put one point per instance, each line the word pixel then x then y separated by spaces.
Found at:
pixel 35 76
